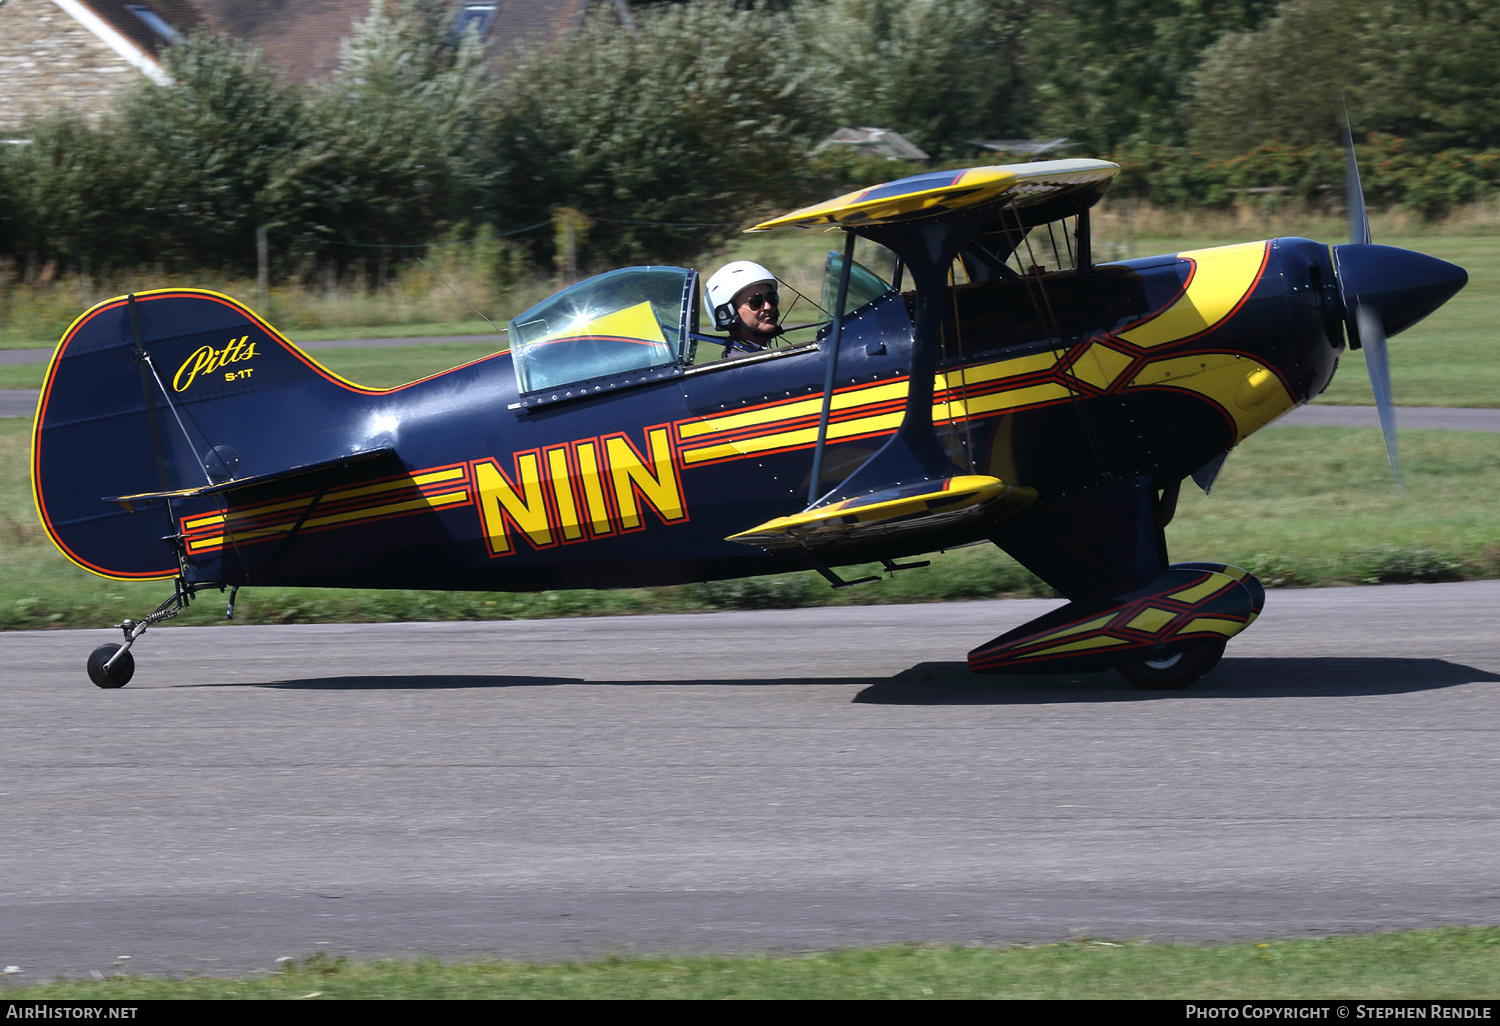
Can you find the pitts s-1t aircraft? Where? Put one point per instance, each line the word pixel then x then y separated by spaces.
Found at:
pixel 1015 391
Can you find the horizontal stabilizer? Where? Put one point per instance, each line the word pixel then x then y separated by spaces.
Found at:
pixel 134 502
pixel 881 514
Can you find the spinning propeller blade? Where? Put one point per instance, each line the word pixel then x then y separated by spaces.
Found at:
pixel 1372 337
pixel 1366 327
pixel 1384 290
pixel 1354 193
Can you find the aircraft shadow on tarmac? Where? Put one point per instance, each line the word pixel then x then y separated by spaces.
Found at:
pixel 421 682
pixel 1346 677
pixel 951 683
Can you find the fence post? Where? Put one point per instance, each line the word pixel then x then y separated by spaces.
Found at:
pixel 262 269
pixel 570 229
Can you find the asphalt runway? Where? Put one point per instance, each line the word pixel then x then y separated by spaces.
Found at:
pixel 778 780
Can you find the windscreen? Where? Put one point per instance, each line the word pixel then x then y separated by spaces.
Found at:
pixel 865 285
pixel 628 320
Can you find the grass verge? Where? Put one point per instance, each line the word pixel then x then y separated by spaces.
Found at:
pixel 1450 963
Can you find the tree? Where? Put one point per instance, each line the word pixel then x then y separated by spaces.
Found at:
pixel 1108 74
pixel 1281 82
pixel 1430 73
pixel 215 148
pixel 72 193
pixel 400 133
pixel 656 133
pixel 1424 71
pixel 937 71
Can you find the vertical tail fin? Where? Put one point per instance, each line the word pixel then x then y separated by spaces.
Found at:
pixel 166 390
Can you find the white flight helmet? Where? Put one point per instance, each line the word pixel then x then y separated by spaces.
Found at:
pixel 727 281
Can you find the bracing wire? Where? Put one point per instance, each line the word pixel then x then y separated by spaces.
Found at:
pixel 1054 327
pixel 417 245
pixel 178 417
pixel 455 291
pixel 510 233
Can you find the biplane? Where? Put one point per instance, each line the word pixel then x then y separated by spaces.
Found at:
pixel 999 385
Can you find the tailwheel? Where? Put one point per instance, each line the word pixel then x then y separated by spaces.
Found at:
pixel 112 666
pixel 109 672
pixel 1175 672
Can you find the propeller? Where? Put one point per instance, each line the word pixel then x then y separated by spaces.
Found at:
pixel 1382 291
pixel 1354 193
pixel 1366 327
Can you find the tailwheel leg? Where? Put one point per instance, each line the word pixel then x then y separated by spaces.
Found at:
pixel 1179 670
pixel 112 666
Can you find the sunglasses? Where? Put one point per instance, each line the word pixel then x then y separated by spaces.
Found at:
pixel 760 298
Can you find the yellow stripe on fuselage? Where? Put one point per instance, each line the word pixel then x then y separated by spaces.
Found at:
pixel 954 383
pixel 342 494
pixel 387 509
pixel 1248 390
pixel 1222 278
pixel 790 411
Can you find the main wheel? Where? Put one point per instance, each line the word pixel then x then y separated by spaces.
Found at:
pixel 118 675
pixel 1179 670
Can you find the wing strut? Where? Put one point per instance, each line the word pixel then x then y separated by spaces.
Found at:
pixel 834 341
pixel 911 483
pixel 913 453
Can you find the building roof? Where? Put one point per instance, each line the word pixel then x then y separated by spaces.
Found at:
pixel 181 16
pixel 138 32
pixel 304 38
pixel 883 142
pixel 1022 147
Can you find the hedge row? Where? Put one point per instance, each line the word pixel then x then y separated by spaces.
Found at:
pixel 1391 173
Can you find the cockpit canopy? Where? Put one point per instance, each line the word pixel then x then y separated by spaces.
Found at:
pixel 624 321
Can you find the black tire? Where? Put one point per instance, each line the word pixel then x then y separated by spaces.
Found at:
pixel 1176 672
pixel 118 675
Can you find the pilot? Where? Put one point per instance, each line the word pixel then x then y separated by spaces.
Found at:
pixel 742 296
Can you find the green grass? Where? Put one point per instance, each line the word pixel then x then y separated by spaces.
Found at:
pixel 1319 503
pixel 386 368
pixel 432 330
pixel 414 302
pixel 1296 505
pixel 25 376
pixel 1451 963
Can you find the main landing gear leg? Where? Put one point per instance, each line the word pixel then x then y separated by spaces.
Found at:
pixel 1162 636
pixel 112 666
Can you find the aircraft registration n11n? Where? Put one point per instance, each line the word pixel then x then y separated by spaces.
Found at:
pixel 1002 387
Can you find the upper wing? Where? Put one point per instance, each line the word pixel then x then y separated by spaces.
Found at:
pixel 935 193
